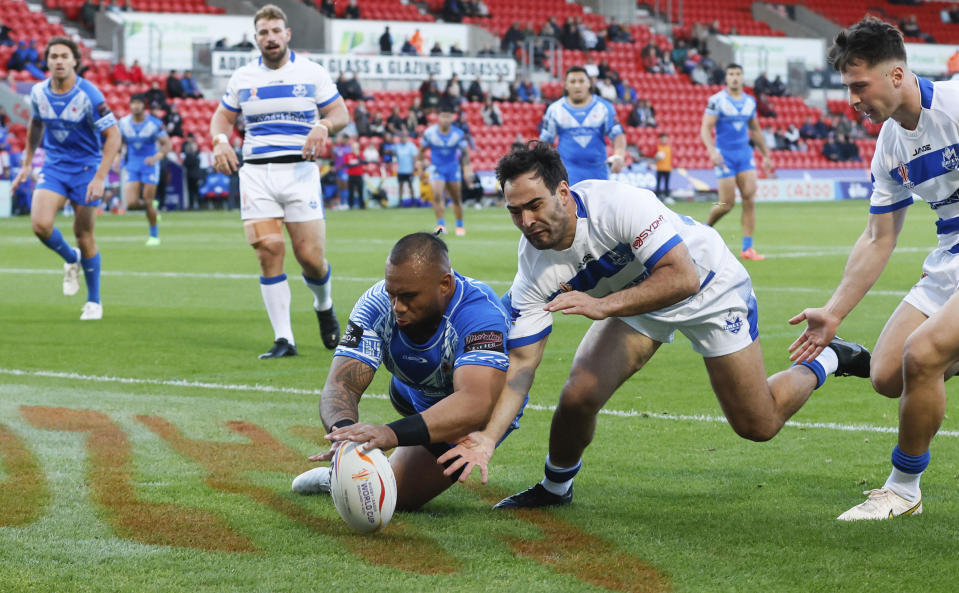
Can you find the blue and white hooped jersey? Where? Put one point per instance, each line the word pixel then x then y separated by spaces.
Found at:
pixel 445 149
pixel 73 124
pixel 581 130
pixel 141 138
pixel 621 233
pixel 279 106
pixel 473 332
pixel 732 119
pixel 924 161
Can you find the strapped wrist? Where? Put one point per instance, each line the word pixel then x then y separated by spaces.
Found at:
pixel 411 430
pixel 341 424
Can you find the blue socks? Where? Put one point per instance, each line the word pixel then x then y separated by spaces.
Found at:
pixel 91 272
pixel 57 243
pixel 459 223
pixel 911 464
pixel 154 231
pixel 441 222
pixel 747 243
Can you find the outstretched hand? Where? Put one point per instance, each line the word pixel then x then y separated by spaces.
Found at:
pixel 373 436
pixel 577 303
pixel 473 450
pixel 821 327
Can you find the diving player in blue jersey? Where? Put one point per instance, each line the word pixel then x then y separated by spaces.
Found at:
pixel 442 336
pixel 448 149
pixel 74 123
pixel 141 133
pixel 733 115
pixel 581 120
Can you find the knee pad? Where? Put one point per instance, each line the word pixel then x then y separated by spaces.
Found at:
pixel 263 231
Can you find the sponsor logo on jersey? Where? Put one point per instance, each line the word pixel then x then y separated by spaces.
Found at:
pixel 484 340
pixel 253 96
pixel 949 159
pixel 921 149
pixel 414 358
pixel 642 236
pixel 299 90
pixel 352 336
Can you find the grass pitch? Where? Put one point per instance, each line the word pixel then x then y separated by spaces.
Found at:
pixel 152 451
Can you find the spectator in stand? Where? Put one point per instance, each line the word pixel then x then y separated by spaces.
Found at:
pixel 453 11
pixel 481 10
pixel 664 167
pixel 190 157
pixel 436 50
pixel 405 151
pixel 120 74
pixel 823 128
pixel 386 42
pixel 461 123
pixel 769 137
pixel 361 117
pixel 848 150
pixel 777 88
pixel 698 75
pixel 779 140
pixel 762 85
pixel 492 116
pixel 190 87
pixel 352 10
pixel 394 123
pixel 910 26
pixel 455 49
pixel 679 54
pixel 590 39
pixel 475 92
pixel 341 148
pixel 592 70
pixel 244 43
pixel 792 137
pixel 174 88
pixel 454 88
pixel 416 116
pixel 842 125
pixel 4 118
pixel 550 29
pixel 431 99
pixel 952 64
pixel 527 91
pixel 715 28
pixel 417 41
pixel 486 50
pixel 605 89
pixel 136 73
pixel 155 96
pixel 88 15
pixel 377 125
pixel 512 38
pixel 354 170
pixel 18 59
pixel 764 108
pixel 649 56
pixel 349 87
pixel 328 8
pixel 603 69
pixel 831 149
pixel 808 130
pixel 616 33
pixel 173 121
pixel 499 90
pixel 221 43
pixel 642 115
pixel 408 49
pixel 569 35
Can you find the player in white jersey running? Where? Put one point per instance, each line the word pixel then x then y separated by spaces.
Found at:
pixel 917 153
pixel 279 96
pixel 732 114
pixel 615 254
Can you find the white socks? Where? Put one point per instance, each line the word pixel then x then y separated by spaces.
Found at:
pixel 276 297
pixel 904 484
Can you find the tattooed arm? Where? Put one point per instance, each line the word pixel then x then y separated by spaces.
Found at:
pixel 345 384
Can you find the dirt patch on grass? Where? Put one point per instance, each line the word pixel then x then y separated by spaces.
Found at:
pixel 23 494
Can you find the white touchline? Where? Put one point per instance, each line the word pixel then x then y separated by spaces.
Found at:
pixel 536 407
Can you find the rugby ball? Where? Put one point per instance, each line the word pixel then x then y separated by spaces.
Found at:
pixel 363 487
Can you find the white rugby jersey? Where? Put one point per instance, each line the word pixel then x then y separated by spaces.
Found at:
pixel 621 233
pixel 280 105
pixel 924 161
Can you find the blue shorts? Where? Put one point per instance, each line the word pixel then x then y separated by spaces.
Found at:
pixel 736 161
pixel 342 175
pixel 142 172
pixel 72 185
pixel 577 174
pixel 445 174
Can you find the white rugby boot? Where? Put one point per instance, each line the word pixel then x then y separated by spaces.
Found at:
pixel 882 503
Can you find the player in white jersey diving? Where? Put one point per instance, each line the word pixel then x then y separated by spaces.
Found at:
pixel 579 123
pixel 141 133
pixel 916 153
pixel 279 95
pixel 75 125
pixel 732 114
pixel 615 254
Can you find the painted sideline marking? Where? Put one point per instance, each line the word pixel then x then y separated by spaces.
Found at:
pixel 537 407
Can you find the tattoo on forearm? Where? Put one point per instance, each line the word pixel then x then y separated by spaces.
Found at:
pixel 342 392
pixel 36 134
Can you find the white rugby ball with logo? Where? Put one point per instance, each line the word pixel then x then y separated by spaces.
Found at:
pixel 363 487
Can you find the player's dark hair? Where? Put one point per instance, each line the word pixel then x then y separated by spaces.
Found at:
pixel 270 12
pixel 733 66
pixel 536 157
pixel 138 97
pixel 424 248
pixel 74 48
pixel 871 40
pixel 572 69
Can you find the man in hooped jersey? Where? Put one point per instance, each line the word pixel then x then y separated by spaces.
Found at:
pixel 74 123
pixel 732 113
pixel 917 153
pixel 279 95
pixel 615 254
pixel 141 133
pixel 581 121
pixel 442 336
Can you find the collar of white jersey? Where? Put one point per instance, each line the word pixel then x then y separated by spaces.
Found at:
pixel 925 91
pixel 580 206
pixel 292 58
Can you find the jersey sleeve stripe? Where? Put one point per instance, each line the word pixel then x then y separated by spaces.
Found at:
pixel 230 107
pixel 663 250
pixel 526 341
pixel 890 207
pixel 328 101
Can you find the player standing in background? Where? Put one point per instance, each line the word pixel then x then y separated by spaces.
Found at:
pixel 141 132
pixel 581 120
pixel 279 95
pixel 448 148
pixel 406 153
pixel 441 335
pixel 615 254
pixel 70 115
pixel 733 115
pixel 915 154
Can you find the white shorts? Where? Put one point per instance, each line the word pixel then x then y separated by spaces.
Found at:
pixel 723 318
pixel 939 281
pixel 290 191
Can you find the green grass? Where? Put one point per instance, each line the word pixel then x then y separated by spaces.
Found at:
pixel 669 487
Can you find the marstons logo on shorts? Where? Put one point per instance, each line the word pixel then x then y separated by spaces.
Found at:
pixel 641 238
